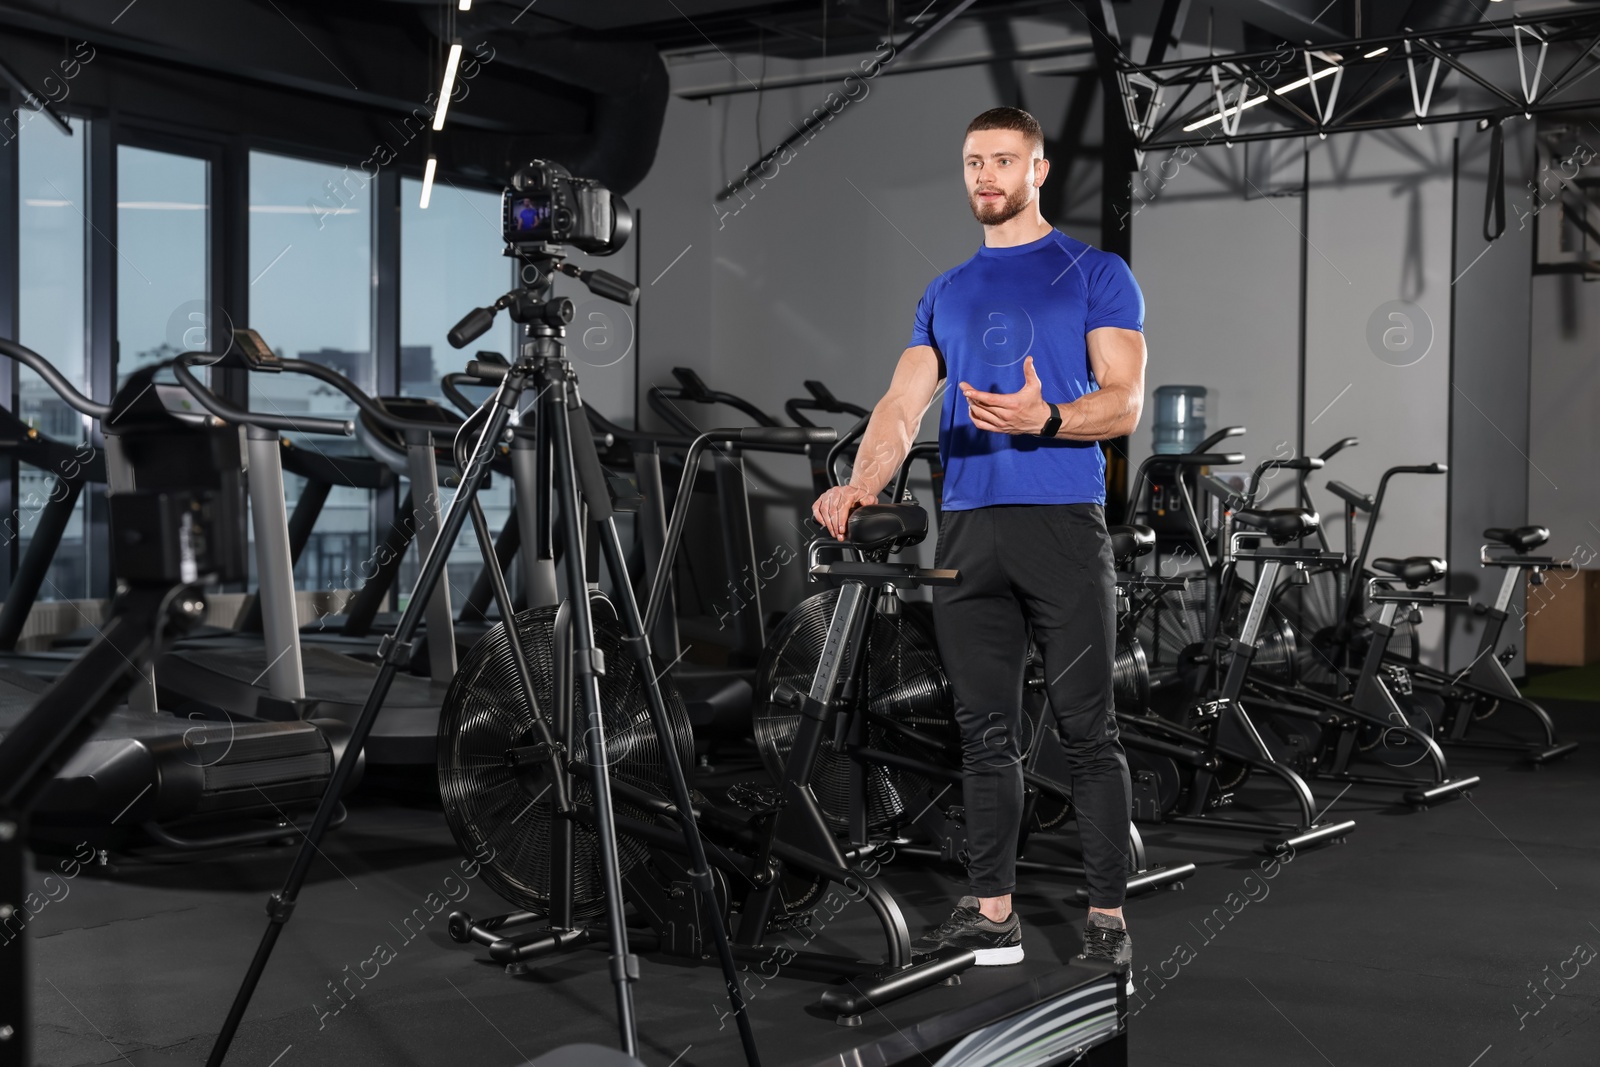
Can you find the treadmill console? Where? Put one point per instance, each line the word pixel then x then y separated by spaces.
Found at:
pixel 255 352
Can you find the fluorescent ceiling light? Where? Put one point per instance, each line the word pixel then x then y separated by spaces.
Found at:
pixel 448 86
pixel 1376 52
pixel 1323 73
pixel 427 182
pixel 1252 102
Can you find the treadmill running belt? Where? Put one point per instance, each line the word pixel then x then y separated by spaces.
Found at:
pixel 336 687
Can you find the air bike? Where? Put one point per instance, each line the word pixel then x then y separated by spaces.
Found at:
pixel 887 772
pixel 1332 614
pixel 771 858
pixel 1372 712
pixel 1198 757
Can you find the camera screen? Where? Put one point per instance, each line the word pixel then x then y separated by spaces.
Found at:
pixel 530 215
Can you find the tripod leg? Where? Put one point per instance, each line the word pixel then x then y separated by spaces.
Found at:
pixel 701 872
pixel 586 666
pixel 280 906
pixel 586 462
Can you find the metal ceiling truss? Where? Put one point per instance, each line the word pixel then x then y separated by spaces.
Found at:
pixel 1220 97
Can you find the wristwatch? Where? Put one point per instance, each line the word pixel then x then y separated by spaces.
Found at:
pixel 1053 423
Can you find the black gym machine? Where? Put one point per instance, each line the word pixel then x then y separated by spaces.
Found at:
pixel 174 517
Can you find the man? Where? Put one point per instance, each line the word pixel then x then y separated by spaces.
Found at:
pixel 1044 336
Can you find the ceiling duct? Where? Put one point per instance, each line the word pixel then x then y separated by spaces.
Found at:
pixel 626 83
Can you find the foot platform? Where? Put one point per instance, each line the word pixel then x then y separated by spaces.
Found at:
pixel 1146 881
pixel 880 987
pixel 1445 790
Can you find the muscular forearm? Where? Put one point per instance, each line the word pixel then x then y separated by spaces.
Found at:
pixel 1108 412
pixel 885 444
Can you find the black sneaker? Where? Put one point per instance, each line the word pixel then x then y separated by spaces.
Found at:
pixel 994 944
pixel 1110 945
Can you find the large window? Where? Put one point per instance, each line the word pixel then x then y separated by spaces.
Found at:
pixel 450 263
pixel 311 299
pixel 162 238
pixel 51 322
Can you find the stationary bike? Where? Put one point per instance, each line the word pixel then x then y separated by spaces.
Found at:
pixel 771 857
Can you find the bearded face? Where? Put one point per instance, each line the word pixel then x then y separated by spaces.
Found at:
pixel 1000 167
pixel 992 205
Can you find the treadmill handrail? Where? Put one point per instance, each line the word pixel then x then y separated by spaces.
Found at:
pixel 622 433
pixel 227 412
pixel 442 432
pixel 55 380
pixel 450 385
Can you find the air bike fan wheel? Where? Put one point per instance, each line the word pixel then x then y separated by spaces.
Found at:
pixel 499 806
pixel 904 684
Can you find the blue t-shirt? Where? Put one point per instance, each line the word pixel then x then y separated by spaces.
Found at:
pixel 983 318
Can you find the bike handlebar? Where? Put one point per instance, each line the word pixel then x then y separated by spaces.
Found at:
pixel 1297 463
pixel 1221 435
pixel 1339 446
pixel 1184 459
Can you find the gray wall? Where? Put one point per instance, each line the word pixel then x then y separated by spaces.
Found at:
pixel 1564 396
pixel 1489 472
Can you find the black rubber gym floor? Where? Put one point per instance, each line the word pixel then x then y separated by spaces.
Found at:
pixel 1463 936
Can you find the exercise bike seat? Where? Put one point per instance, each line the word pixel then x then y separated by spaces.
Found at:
pixel 873 527
pixel 1415 571
pixel 1281 524
pixel 1522 539
pixel 1128 543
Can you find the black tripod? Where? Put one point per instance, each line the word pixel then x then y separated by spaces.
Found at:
pixel 578 482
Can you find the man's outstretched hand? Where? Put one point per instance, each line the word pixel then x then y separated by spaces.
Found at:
pixel 833 508
pixel 1022 412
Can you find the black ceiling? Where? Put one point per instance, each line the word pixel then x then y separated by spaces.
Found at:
pixel 582 81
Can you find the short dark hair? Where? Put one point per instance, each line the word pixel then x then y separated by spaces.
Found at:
pixel 1009 118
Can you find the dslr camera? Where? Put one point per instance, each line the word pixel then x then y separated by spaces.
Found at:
pixel 547 205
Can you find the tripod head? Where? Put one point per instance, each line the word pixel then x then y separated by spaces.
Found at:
pixel 532 304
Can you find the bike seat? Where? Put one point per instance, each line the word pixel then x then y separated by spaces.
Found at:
pixel 872 527
pixel 1281 524
pixel 1128 543
pixel 1415 571
pixel 1522 539
pixel 1359 501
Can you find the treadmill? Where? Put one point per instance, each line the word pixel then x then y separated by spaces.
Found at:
pixel 183 777
pixel 276 676
pixel 411 454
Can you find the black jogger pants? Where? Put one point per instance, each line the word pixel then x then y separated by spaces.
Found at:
pixel 1044 569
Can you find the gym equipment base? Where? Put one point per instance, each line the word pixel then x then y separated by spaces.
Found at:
pixel 1062 1011
pixel 1421 796
pixel 867 988
pixel 1303 837
pixel 1533 753
pixel 1139 882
